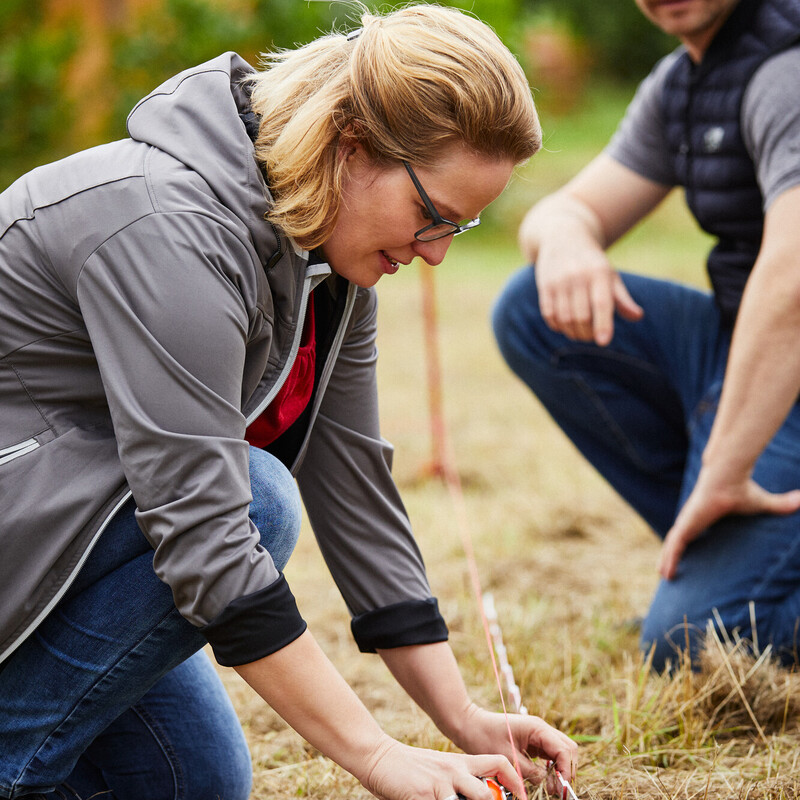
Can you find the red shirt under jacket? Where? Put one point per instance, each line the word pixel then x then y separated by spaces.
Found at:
pixel 293 396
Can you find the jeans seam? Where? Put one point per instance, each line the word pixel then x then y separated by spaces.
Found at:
pixel 767 579
pixel 93 689
pixel 708 403
pixel 163 742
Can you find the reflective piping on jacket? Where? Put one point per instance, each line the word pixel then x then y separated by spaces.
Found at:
pixel 62 590
pixel 16 450
pixel 315 275
pixel 352 290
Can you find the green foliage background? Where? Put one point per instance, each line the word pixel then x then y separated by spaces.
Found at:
pixel 32 109
pixel 624 44
pixel 38 114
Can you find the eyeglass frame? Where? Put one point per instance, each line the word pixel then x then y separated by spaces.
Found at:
pixel 436 218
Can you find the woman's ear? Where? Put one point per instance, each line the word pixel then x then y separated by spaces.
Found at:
pixel 349 148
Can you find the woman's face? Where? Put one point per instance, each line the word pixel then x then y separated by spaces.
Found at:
pixel 381 210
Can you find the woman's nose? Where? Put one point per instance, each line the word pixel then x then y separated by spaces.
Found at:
pixel 433 252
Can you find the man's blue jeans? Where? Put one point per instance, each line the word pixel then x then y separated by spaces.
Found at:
pixel 110 694
pixel 640 410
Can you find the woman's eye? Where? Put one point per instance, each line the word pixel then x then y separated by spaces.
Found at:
pixel 424 213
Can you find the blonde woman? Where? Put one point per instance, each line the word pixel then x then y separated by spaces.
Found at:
pixel 186 326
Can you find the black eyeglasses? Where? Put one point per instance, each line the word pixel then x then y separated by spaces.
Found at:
pixel 439 227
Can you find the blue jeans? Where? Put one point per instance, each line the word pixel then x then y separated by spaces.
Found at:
pixel 110 694
pixel 640 410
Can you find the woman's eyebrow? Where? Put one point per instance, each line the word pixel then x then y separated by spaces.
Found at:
pixel 448 212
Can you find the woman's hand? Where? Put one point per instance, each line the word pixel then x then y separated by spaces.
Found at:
pixel 429 674
pixel 400 772
pixel 303 687
pixel 484 731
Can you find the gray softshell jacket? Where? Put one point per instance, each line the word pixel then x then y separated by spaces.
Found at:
pixel 148 313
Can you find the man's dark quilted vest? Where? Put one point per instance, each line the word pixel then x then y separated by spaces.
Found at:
pixel 701 105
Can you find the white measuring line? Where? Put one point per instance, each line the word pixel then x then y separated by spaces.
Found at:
pixel 514 694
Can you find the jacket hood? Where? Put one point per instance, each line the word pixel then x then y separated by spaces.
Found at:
pixel 194 117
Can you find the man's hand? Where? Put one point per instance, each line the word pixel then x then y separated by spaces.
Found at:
pixel 579 299
pixel 713 497
pixel 566 235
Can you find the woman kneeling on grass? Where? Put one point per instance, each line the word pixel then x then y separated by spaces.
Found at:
pixel 187 324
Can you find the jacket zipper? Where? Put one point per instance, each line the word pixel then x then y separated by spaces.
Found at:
pixel 278 254
pixel 287 367
pixel 328 369
pixel 68 582
pixel 17 450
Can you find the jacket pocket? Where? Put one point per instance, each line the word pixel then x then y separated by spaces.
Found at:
pixel 17 450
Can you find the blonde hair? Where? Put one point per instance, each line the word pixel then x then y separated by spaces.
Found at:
pixel 410 84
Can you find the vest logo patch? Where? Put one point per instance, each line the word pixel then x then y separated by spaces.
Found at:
pixel 712 139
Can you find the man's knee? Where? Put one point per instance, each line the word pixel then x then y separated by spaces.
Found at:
pixel 523 337
pixel 674 632
pixel 670 642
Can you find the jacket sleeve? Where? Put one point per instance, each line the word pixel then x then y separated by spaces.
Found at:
pixel 162 302
pixel 354 506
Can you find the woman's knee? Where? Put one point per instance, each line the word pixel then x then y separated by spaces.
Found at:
pixel 228 775
pixel 181 741
pixel 276 508
pixel 159 772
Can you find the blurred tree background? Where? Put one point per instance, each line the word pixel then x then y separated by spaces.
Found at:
pixel 70 70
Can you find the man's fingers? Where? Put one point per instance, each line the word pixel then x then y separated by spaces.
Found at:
pixel 602 299
pixel 564 316
pixel 582 313
pixel 786 503
pixel 583 307
pixel 692 520
pixel 696 516
pixel 670 555
pixel 625 305
pixel 609 296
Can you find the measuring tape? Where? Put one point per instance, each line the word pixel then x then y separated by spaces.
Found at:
pixel 514 694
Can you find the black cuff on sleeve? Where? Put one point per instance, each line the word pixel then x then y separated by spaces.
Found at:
pixel 255 625
pixel 398 625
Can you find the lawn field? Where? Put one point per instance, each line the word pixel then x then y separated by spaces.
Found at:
pixel 570 566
